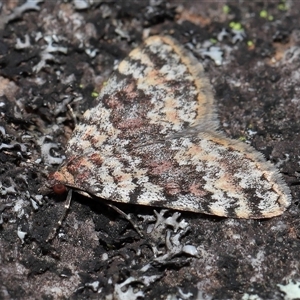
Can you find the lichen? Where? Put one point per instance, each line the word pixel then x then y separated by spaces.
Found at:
pixel 46 54
pixel 18 12
pixel 165 240
pixel 291 290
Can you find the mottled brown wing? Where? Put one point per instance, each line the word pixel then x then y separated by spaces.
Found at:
pixel 158 90
pixel 207 174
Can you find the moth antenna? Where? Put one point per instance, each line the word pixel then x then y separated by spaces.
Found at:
pixel 58 225
pixel 72 113
pixel 127 217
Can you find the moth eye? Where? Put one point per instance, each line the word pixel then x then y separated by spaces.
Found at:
pixel 59 189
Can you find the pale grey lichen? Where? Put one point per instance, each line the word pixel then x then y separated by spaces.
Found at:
pixel 238 35
pixel 215 53
pixel 18 11
pixel 291 55
pixel 34 204
pixel 223 34
pixel 13 145
pixel 121 31
pixel 2 131
pixel 91 52
pixel 162 235
pixel 125 291
pixel 166 232
pixel 47 146
pixel 291 290
pixel 182 296
pixel 21 234
pixel 22 45
pixel 208 49
pixel 7 190
pixel 38 198
pixel 105 11
pixel 46 54
pixel 81 4
pixel 215 48
pixel 247 296
pixel 93 285
pixel 155 3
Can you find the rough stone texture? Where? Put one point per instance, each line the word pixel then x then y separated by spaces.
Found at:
pixel 53 62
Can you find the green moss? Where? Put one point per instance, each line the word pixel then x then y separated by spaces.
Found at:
pixel 263 14
pixel 282 7
pixel 94 94
pixel 236 25
pixel 226 9
pixel 213 40
pixel 250 43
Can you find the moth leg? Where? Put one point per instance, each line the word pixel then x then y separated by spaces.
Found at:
pixel 127 217
pixel 58 225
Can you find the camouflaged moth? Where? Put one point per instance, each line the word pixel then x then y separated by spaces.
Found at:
pixel 153 140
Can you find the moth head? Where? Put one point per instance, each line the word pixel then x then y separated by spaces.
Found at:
pixel 59 188
pixel 59 180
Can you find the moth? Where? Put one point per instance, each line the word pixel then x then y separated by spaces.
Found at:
pixel 153 140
